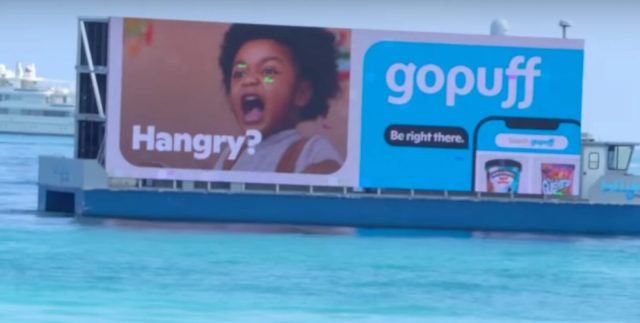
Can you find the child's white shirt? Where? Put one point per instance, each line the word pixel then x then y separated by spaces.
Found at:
pixel 269 152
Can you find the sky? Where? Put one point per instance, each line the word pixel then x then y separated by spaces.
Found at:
pixel 44 32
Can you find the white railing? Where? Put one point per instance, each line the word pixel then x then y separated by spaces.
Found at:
pixel 261 188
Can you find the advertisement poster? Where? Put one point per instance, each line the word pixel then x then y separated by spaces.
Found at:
pixel 337 107
pixel 470 113
pixel 228 102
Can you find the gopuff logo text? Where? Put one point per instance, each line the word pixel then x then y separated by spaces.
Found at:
pixel 411 76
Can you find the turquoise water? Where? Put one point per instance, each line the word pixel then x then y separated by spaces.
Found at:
pixel 62 270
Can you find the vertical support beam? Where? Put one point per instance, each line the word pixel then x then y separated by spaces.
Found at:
pixel 92 71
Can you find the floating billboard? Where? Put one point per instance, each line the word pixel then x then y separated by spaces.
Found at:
pixel 323 106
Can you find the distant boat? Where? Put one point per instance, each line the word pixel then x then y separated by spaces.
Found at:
pixel 34 105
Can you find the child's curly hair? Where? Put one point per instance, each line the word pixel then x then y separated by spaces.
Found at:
pixel 313 51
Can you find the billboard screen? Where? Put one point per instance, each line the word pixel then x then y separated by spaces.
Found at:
pixel 324 106
pixel 470 113
pixel 228 102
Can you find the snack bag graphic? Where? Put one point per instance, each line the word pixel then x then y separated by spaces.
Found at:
pixel 557 179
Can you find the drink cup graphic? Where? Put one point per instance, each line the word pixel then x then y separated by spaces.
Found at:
pixel 503 175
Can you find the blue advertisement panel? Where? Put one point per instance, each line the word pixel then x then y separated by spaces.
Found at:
pixel 470 113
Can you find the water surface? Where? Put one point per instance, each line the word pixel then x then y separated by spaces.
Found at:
pixel 57 269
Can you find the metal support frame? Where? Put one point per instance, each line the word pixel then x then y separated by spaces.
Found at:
pixel 92 70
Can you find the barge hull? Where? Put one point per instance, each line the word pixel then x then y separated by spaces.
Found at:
pixel 358 211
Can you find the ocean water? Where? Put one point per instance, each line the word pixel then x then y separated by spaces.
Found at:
pixel 58 269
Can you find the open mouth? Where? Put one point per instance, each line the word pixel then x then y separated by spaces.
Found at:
pixel 252 108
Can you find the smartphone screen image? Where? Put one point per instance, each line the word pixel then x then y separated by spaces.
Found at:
pixel 527 156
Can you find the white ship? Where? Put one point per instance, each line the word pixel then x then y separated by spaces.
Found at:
pixel 34 105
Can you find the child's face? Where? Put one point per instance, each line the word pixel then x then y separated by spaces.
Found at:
pixel 265 92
